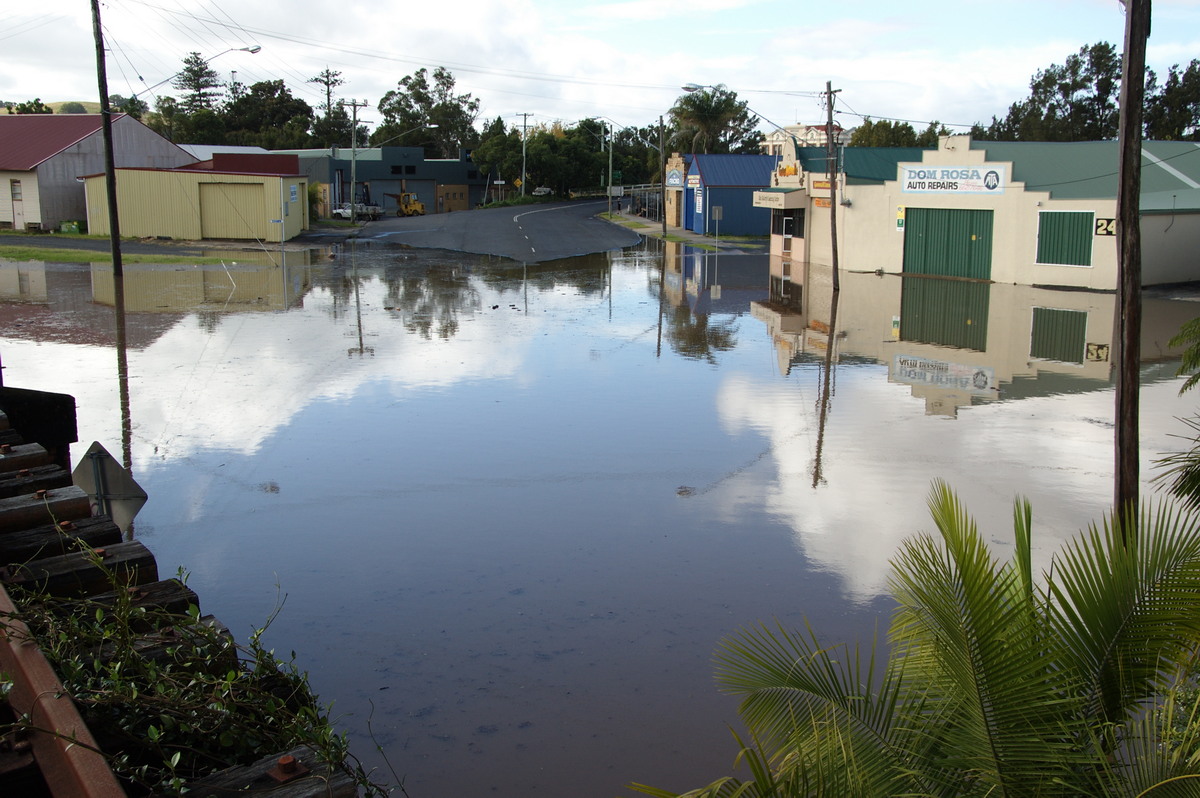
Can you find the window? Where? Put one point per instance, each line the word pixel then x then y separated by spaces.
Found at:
pixel 14 186
pixel 410 169
pixel 788 223
pixel 1065 238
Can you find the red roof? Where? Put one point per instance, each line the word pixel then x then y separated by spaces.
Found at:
pixel 28 139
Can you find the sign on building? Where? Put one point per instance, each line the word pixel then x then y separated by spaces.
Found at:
pixel 932 179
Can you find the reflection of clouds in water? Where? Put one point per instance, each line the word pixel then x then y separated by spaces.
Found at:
pixel 233 387
pixel 881 454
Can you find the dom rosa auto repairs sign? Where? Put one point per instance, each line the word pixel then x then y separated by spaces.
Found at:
pixel 928 179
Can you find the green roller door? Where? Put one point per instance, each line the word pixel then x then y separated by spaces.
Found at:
pixel 945 312
pixel 1058 335
pixel 948 243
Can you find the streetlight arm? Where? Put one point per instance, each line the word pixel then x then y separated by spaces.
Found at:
pixel 405 133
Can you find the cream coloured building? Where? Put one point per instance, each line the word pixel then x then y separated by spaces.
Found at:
pixel 260 198
pixel 1028 213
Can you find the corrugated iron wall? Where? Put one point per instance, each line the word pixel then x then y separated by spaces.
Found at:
pixel 948 242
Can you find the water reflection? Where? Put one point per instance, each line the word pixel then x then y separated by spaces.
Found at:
pixel 466 473
pixel 959 342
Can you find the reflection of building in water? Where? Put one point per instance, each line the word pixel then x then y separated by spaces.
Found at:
pixel 158 288
pixel 956 342
pixel 73 303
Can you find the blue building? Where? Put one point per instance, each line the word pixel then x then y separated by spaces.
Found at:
pixel 714 194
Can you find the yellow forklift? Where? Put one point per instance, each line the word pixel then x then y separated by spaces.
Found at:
pixel 407 204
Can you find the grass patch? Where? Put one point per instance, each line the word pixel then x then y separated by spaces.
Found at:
pixel 19 253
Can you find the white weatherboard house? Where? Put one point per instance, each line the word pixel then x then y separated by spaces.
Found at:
pixel 1028 213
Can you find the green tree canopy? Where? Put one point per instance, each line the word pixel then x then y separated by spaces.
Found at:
pixel 894 133
pixel 418 113
pixel 713 119
pixel 199 83
pixel 267 115
pixel 72 107
pixel 333 129
pixel 1172 111
pixel 329 80
pixel 1074 101
pixel 128 105
pixel 34 106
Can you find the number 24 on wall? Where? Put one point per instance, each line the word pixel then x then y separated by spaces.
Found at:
pixel 1106 227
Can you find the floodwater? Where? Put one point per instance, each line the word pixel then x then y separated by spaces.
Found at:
pixel 510 511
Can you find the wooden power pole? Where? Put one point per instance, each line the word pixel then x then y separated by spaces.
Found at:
pixel 831 148
pixel 1129 262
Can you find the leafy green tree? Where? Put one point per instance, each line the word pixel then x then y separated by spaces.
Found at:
pixel 333 129
pixel 1172 111
pixel 498 154
pixel 165 117
pixel 199 82
pixel 418 113
pixel 205 126
pixel 72 108
pixel 329 79
pixel 1074 101
pixel 883 133
pixel 34 106
pixel 996 684
pixel 267 115
pixel 713 119
pixel 129 105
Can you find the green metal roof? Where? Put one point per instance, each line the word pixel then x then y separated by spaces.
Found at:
pixel 862 164
pixel 1185 201
pixel 1088 169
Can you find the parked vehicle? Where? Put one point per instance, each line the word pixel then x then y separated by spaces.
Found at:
pixel 542 191
pixel 361 211
pixel 407 204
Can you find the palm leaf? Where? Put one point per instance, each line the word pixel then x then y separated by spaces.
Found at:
pixel 973 624
pixel 1128 615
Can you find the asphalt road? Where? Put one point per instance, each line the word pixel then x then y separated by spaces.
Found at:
pixel 526 233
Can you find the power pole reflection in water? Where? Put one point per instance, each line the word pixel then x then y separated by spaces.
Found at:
pixel 361 350
pixel 123 383
pixel 826 389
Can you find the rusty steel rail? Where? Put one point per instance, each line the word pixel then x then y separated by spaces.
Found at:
pixel 65 750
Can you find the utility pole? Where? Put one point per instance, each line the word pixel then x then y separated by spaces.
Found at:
pixel 610 143
pixel 662 177
pixel 354 106
pixel 524 125
pixel 1129 264
pixel 110 169
pixel 831 148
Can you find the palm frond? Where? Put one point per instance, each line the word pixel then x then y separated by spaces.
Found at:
pixel 1189 338
pixel 1128 615
pixel 1180 474
pixel 975 620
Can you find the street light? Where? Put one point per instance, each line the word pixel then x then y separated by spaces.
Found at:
pixel 252 49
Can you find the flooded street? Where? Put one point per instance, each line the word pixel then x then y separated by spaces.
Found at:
pixel 510 511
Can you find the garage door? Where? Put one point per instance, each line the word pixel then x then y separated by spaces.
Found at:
pixel 948 243
pixel 232 210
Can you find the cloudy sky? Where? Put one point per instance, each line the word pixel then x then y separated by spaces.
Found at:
pixel 957 62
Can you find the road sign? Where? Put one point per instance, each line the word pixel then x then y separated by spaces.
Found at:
pixel 111 488
pixel 518 183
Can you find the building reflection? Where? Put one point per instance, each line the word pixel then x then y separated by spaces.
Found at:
pixel 959 342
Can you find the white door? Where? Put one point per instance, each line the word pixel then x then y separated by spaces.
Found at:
pixel 14 188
